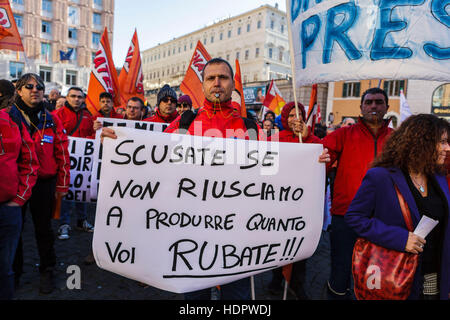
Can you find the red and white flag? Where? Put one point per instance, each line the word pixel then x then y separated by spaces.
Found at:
pixel 103 77
pixel 313 114
pixel 192 82
pixel 131 77
pixel 238 100
pixel 273 99
pixel 9 35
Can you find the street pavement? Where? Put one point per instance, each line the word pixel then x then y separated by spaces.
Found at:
pixel 99 284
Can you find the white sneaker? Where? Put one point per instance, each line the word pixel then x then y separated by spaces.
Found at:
pixel 85 226
pixel 63 232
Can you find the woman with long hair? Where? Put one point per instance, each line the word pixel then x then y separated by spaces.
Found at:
pixel 413 160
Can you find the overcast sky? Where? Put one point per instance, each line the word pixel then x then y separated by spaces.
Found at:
pixel 158 21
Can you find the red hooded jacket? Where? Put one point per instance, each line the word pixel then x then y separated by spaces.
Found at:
pixel 70 119
pixel 52 148
pixel 355 147
pixel 18 161
pixel 215 120
pixel 158 117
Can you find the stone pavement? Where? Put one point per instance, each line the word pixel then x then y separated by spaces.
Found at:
pixel 98 284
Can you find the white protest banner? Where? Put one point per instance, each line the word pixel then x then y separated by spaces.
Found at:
pixel 81 152
pixel 336 40
pixel 110 122
pixel 183 213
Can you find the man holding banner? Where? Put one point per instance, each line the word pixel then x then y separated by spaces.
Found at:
pixel 354 147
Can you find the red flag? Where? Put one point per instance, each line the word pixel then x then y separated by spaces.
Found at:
pixel 9 35
pixel 273 99
pixel 287 272
pixel 313 109
pixel 238 99
pixel 131 76
pixel 192 82
pixel 103 77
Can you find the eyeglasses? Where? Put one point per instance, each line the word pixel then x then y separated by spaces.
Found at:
pixel 30 86
pixel 168 99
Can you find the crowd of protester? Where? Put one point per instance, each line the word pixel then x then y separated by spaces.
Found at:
pixel 360 155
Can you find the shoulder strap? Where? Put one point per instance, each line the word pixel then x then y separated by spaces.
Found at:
pixel 405 210
pixel 78 123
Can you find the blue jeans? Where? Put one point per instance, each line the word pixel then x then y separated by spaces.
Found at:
pixel 236 290
pixel 68 206
pixel 342 240
pixel 10 229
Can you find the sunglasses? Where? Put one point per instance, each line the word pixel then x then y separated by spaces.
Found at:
pixel 30 86
pixel 167 99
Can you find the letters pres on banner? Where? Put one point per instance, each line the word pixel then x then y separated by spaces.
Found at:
pixel 183 213
pixel 349 40
pixel 111 122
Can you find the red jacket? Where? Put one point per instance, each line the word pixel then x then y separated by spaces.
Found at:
pixel 158 117
pixel 70 119
pixel 355 147
pixel 215 120
pixel 51 144
pixel 18 161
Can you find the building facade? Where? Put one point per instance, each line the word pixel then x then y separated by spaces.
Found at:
pixel 258 39
pixel 50 26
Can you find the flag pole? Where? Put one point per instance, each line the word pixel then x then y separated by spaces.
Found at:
pixel 252 283
pixel 291 52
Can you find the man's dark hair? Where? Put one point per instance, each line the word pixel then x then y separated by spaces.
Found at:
pixel 105 95
pixel 218 61
pixel 23 80
pixel 76 89
pixel 137 99
pixel 375 91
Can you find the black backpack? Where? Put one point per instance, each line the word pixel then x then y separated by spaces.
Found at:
pixel 189 116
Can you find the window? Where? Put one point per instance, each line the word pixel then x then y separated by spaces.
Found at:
pixel 97 19
pixel 351 89
pixel 256 52
pixel 270 53
pixel 441 96
pixel 272 24
pixel 282 28
pixel 46 27
pixel 221 36
pixel 45 73
pixel 212 39
pixel 259 24
pixel 18 2
pixel 73 14
pixel 71 77
pixel 98 3
pixel 174 50
pixel 46 51
pixel 228 57
pixel 47 5
pixel 19 20
pixel 95 38
pixel 245 78
pixel 392 87
pixel 239 31
pixel 185 47
pixel 247 53
pixel 229 33
pixel 16 69
pixel 204 41
pixel 191 45
pixel 248 28
pixel 237 55
pixel 72 33
pixel 280 55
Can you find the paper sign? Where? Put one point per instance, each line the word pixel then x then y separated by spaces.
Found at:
pixel 425 226
pixel 183 213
